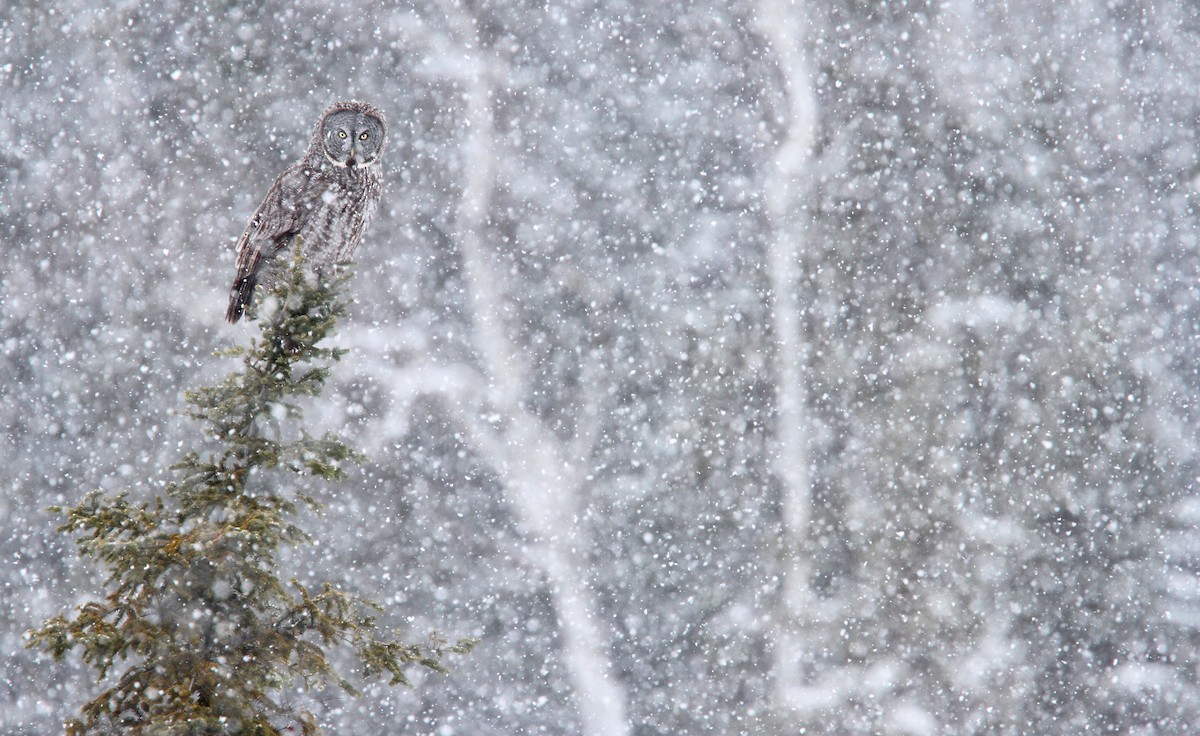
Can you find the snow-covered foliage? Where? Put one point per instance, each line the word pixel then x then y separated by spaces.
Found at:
pixel 565 363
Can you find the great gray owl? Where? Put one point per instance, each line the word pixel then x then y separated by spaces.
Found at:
pixel 326 199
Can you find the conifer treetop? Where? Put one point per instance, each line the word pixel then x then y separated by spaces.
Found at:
pixel 198 633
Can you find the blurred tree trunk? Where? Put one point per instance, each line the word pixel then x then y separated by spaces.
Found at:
pixel 542 474
pixel 787 186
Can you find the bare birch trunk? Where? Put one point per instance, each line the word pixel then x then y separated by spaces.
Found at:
pixel 541 475
pixel 786 188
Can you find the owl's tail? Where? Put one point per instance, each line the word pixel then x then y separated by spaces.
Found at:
pixel 240 295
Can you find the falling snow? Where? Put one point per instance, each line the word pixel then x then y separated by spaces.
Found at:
pixel 768 367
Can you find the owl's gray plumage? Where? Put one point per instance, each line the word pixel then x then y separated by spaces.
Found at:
pixel 327 199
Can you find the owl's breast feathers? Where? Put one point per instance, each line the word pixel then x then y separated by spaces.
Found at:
pixel 338 206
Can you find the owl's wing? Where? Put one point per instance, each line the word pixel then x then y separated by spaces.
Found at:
pixel 274 224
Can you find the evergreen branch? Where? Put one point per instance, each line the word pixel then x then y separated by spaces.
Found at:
pixel 197 624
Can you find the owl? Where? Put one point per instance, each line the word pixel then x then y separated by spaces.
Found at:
pixel 326 199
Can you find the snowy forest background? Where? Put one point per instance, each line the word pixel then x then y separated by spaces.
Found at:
pixel 774 367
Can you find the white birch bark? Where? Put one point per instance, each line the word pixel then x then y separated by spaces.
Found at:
pixel 785 198
pixel 542 475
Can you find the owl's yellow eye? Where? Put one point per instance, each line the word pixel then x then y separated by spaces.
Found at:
pixel 363 136
pixel 342 134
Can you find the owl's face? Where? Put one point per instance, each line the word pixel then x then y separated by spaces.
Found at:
pixel 352 138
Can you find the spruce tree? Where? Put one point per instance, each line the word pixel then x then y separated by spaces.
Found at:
pixel 198 633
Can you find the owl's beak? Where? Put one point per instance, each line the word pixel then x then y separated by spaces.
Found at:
pixel 352 160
